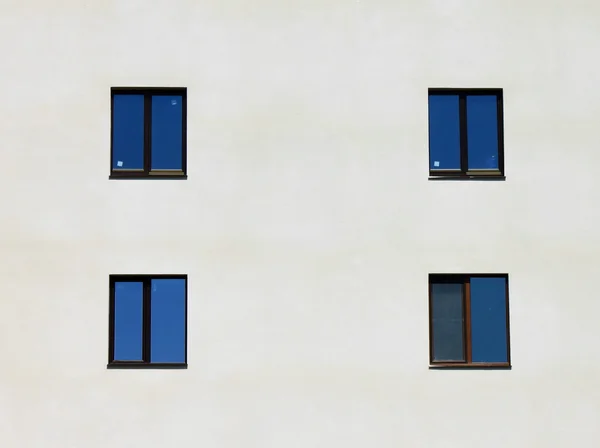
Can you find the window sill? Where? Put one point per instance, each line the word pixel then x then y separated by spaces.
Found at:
pixel 481 366
pixel 148 176
pixel 468 177
pixel 141 365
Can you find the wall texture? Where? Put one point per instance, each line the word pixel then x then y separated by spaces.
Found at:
pixel 307 226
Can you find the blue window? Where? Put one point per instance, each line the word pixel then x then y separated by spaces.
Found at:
pixel 469 323
pixel 466 132
pixel 148 321
pixel 148 132
pixel 128 321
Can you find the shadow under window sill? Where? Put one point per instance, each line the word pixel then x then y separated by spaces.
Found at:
pixel 140 365
pixel 479 366
pixel 469 178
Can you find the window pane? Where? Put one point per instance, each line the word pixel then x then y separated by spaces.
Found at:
pixel 167 132
pixel 447 321
pixel 482 131
pixel 168 321
pixel 488 319
pixel 444 132
pixel 128 321
pixel 128 132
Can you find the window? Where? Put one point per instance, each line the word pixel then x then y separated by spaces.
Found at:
pixel 466 133
pixel 468 320
pixel 148 321
pixel 148 132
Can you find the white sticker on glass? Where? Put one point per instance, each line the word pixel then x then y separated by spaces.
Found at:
pixel 436 163
pixel 119 163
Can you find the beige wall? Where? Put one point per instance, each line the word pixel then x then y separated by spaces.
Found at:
pixel 307 225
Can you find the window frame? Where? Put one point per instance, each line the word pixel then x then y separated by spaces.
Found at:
pixel 464 280
pixel 147 172
pixel 464 172
pixel 146 280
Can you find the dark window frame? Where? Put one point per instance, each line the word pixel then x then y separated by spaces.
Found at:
pixel 464 172
pixel 147 172
pixel 146 280
pixel 464 280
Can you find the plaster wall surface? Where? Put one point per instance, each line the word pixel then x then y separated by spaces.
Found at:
pixel 307 225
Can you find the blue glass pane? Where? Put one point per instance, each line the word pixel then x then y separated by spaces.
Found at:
pixel 482 131
pixel 488 319
pixel 168 321
pixel 167 132
pixel 447 321
pixel 444 132
pixel 128 321
pixel 128 132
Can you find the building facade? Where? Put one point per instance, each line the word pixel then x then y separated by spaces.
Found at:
pixel 308 222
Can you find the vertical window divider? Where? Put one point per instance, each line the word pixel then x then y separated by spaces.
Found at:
pixel 462 120
pixel 467 299
pixel 146 321
pixel 147 131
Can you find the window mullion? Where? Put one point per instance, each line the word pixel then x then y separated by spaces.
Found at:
pixel 462 114
pixel 147 131
pixel 467 307
pixel 146 327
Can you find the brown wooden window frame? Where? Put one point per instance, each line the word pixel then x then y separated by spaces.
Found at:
pixel 464 280
pixel 464 172
pixel 147 172
pixel 146 362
